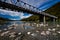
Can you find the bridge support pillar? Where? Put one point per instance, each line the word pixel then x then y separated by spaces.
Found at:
pixel 53 20
pixel 43 19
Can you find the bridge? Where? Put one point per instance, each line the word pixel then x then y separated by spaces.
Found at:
pixel 24 7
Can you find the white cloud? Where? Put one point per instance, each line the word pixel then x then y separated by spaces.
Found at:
pixel 12 13
pixel 12 19
pixel 25 16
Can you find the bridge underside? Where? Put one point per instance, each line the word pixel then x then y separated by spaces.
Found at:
pixel 13 7
pixel 4 5
pixel 17 8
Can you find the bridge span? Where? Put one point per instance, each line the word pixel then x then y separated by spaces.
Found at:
pixel 22 6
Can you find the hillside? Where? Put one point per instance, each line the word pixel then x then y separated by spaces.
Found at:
pixel 54 10
pixel 3 19
pixel 31 18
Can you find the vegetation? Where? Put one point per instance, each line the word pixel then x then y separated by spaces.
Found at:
pixel 32 18
pixel 54 10
pixel 3 20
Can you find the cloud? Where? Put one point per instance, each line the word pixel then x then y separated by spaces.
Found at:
pixel 25 16
pixel 17 15
pixel 6 12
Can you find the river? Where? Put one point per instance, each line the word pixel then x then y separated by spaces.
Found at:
pixel 19 25
pixel 29 30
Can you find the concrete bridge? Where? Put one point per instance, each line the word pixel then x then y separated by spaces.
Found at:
pixel 24 7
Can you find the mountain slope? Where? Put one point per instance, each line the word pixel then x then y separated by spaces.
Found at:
pixel 32 18
pixel 54 10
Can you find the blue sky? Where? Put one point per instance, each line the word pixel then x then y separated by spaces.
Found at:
pixel 41 4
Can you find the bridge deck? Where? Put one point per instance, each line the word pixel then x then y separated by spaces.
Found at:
pixel 14 7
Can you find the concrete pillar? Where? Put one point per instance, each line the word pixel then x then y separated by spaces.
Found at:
pixel 54 20
pixel 44 19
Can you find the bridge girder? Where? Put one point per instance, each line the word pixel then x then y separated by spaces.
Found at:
pixel 14 7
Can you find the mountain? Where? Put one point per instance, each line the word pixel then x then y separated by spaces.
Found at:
pixel 54 10
pixel 31 18
pixel 3 19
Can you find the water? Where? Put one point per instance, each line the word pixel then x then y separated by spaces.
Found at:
pixel 28 31
pixel 14 27
pixel 19 24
